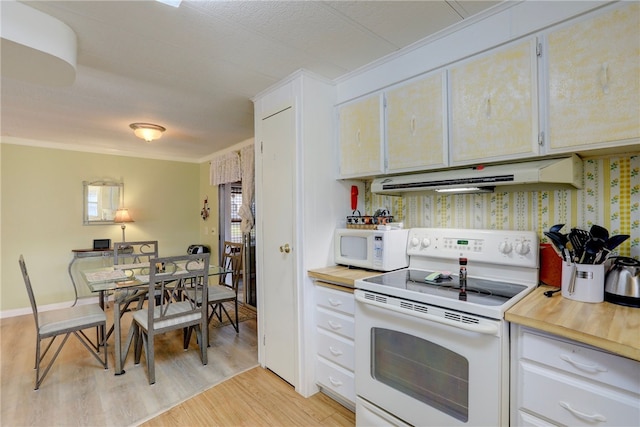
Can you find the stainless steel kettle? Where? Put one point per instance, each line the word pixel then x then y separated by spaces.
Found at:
pixel 622 282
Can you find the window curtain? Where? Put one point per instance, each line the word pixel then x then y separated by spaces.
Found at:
pixel 225 169
pixel 247 155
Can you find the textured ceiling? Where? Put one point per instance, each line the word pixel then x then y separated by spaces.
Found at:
pixel 194 69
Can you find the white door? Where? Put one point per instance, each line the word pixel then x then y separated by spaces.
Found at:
pixel 278 287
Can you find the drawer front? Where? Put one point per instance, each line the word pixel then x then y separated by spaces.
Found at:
pixel 338 380
pixel 335 322
pixel 569 401
pixel 337 349
pixel 585 362
pixel 528 420
pixel 332 299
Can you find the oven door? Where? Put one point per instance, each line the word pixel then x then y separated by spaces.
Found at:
pixel 430 366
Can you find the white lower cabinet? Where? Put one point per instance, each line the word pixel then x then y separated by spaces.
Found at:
pixel 556 381
pixel 335 359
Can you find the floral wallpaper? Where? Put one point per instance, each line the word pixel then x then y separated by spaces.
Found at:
pixel 610 197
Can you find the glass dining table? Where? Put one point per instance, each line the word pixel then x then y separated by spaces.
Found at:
pixel 107 280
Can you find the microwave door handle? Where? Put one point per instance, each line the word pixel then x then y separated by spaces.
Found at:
pixel 487 329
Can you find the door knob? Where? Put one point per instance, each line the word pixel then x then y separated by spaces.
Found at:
pixel 285 248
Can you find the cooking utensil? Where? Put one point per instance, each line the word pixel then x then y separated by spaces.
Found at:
pixel 559 241
pixel 614 241
pixel 556 228
pixel 578 238
pixel 622 282
pixel 611 243
pixel 598 232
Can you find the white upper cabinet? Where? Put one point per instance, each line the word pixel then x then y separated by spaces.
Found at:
pixel 361 144
pixel 593 72
pixel 494 108
pixel 417 125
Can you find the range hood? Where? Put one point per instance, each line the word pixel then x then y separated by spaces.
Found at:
pixel 547 174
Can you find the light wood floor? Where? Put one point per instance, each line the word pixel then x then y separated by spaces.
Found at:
pixel 78 392
pixel 257 397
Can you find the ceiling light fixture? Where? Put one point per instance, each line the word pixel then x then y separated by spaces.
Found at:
pixel 147 131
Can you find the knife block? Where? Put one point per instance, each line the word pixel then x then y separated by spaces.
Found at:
pixel 588 282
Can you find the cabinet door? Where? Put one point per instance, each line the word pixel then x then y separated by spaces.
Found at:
pixel 416 125
pixel 361 151
pixel 594 80
pixel 494 108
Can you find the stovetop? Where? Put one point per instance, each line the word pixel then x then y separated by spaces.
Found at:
pixel 479 291
pixel 502 265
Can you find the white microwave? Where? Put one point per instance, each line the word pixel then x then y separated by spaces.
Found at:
pixel 371 249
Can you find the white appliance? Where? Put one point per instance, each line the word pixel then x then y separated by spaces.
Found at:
pixel 382 250
pixel 427 355
pixel 548 173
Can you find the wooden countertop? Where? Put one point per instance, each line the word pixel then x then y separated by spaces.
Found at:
pixel 340 275
pixel 612 327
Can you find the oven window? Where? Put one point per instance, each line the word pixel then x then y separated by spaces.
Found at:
pixel 421 369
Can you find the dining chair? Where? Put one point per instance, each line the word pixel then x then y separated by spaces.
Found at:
pixel 126 253
pixel 169 277
pixel 65 321
pixel 226 290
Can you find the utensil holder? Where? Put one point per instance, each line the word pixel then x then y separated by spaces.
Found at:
pixel 583 282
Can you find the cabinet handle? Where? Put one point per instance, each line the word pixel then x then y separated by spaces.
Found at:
pixel 604 80
pixel 358 136
pixel 335 302
pixel 595 417
pixel 412 123
pixel 488 107
pixel 336 383
pixel 583 366
pixel 334 325
pixel 335 351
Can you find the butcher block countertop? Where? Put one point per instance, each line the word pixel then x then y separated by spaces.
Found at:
pixel 340 275
pixel 612 327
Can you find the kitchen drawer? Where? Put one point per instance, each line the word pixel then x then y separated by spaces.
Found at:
pixel 570 401
pixel 335 322
pixel 343 302
pixel 528 420
pixel 336 349
pixel 336 379
pixel 583 361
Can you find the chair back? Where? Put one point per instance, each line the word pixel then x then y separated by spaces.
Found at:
pixel 134 252
pixel 232 260
pixel 169 278
pixel 27 283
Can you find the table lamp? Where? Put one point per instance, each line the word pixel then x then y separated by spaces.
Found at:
pixel 122 217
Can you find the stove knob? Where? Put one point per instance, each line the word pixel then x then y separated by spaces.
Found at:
pixel 414 242
pixel 523 248
pixel 426 242
pixel 505 247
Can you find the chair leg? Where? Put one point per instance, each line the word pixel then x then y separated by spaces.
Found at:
pixel 235 325
pixel 204 341
pixel 40 357
pixel 139 341
pixel 149 348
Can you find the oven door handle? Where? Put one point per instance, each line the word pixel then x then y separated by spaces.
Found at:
pixel 485 328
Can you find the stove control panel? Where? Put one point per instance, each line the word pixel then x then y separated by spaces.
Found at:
pixel 506 247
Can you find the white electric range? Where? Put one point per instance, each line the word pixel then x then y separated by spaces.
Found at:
pixel 429 352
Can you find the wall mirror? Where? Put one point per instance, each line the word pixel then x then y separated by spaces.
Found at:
pixel 101 201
